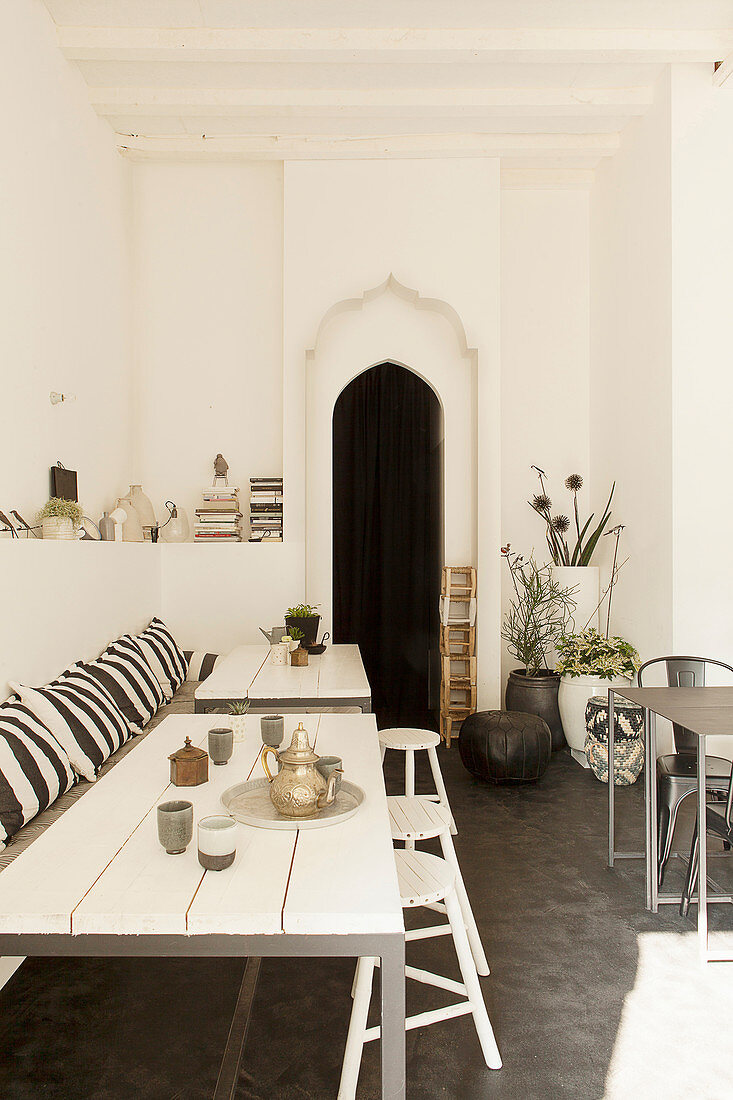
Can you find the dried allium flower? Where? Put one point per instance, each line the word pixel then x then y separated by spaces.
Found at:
pixel 541 502
pixel 561 524
pixel 574 483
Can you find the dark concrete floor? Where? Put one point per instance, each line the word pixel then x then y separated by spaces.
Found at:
pixel 559 928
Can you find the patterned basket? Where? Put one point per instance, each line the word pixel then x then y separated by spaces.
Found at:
pixel 628 748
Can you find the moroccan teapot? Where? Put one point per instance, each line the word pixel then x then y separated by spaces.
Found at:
pixel 298 789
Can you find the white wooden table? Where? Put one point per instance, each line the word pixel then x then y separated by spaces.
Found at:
pixel 335 678
pixel 98 883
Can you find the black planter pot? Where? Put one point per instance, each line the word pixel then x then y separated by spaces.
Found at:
pixel 537 695
pixel 309 626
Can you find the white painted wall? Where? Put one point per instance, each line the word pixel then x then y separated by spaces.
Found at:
pixel 64 275
pixel 65 601
pixel 208 299
pixel 702 334
pixel 545 351
pixel 435 226
pixel 631 386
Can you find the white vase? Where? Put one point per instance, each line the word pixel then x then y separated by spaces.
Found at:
pixel 586 579
pixel 574 693
pixel 144 508
pixel 132 528
pixel 57 527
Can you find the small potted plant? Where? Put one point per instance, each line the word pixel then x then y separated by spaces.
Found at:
pixel 304 617
pixel 588 665
pixel 537 615
pixel 60 518
pixel 298 655
pixel 238 712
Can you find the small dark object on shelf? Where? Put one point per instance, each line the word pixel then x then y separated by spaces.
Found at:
pixel 502 746
pixel 320 647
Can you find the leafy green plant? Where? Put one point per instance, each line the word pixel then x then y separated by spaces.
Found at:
pixel 295 633
pixel 238 706
pixel 58 508
pixel 588 653
pixel 537 613
pixel 557 526
pixel 302 611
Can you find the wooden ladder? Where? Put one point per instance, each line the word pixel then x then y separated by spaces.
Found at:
pixel 458 650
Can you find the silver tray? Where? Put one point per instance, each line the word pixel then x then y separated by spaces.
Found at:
pixel 249 802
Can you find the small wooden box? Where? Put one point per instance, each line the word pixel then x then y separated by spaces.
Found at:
pixel 189 766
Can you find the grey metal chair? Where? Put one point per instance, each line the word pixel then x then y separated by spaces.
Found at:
pixel 717 823
pixel 677 772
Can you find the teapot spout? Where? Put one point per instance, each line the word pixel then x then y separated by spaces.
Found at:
pixel 328 797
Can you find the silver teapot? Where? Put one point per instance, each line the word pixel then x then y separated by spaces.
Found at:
pixel 298 789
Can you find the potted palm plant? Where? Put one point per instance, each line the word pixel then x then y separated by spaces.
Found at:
pixel 538 613
pixel 60 518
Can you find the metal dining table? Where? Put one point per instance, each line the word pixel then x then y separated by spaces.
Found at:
pixel 705 712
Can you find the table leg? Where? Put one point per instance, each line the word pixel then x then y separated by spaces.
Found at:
pixel 653 825
pixel 392 981
pixel 611 784
pixel 647 808
pixel 702 878
pixel 226 1085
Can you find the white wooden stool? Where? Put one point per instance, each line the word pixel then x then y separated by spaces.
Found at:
pixel 418 818
pixel 411 741
pixel 423 880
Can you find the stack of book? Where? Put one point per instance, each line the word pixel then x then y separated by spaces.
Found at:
pixel 217 520
pixel 266 509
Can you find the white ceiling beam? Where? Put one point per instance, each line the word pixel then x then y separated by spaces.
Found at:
pixel 407 146
pixel 401 45
pixel 282 102
pixel 723 71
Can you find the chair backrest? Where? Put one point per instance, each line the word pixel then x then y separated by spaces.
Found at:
pixel 683 672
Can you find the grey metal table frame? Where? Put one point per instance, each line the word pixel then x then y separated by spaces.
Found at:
pixel 280 706
pixel 389 947
pixel 688 717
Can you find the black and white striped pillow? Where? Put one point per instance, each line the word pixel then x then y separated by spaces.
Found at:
pixel 160 650
pixel 126 675
pixel 34 769
pixel 82 716
pixel 200 664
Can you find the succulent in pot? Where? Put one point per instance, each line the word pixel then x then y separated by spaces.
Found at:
pixel 538 613
pixel 60 518
pixel 237 710
pixel 304 617
pixel 588 664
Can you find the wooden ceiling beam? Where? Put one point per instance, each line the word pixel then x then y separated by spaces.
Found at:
pixel 398 46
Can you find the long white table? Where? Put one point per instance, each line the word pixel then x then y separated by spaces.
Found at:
pixel 336 678
pixel 98 883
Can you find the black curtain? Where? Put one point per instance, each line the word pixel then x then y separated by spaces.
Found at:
pixel 387 538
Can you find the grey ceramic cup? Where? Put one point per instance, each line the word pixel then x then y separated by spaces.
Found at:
pixel 221 744
pixel 217 842
pixel 328 764
pixel 272 729
pixel 175 826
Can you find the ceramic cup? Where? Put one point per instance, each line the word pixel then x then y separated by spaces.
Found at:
pixel 217 842
pixel 221 744
pixel 175 826
pixel 328 764
pixel 272 729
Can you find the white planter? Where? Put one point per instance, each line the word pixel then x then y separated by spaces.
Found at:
pixel 587 580
pixel 57 527
pixel 237 723
pixel 574 693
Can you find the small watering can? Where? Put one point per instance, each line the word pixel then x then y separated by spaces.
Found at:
pixel 299 789
pixel 275 635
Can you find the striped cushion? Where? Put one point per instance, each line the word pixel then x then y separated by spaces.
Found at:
pixel 160 650
pixel 82 715
pixel 34 769
pixel 200 664
pixel 126 675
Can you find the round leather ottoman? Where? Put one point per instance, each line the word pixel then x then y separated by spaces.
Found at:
pixel 504 746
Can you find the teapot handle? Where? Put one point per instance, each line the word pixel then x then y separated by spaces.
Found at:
pixel 265 751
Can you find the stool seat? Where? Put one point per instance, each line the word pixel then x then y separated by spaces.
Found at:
pixel 416 818
pixel 406 738
pixel 423 879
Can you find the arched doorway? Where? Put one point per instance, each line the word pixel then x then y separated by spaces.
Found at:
pixel 387 537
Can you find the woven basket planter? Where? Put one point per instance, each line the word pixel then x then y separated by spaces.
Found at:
pixel 628 746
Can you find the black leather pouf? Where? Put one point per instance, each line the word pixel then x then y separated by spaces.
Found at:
pixel 505 746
